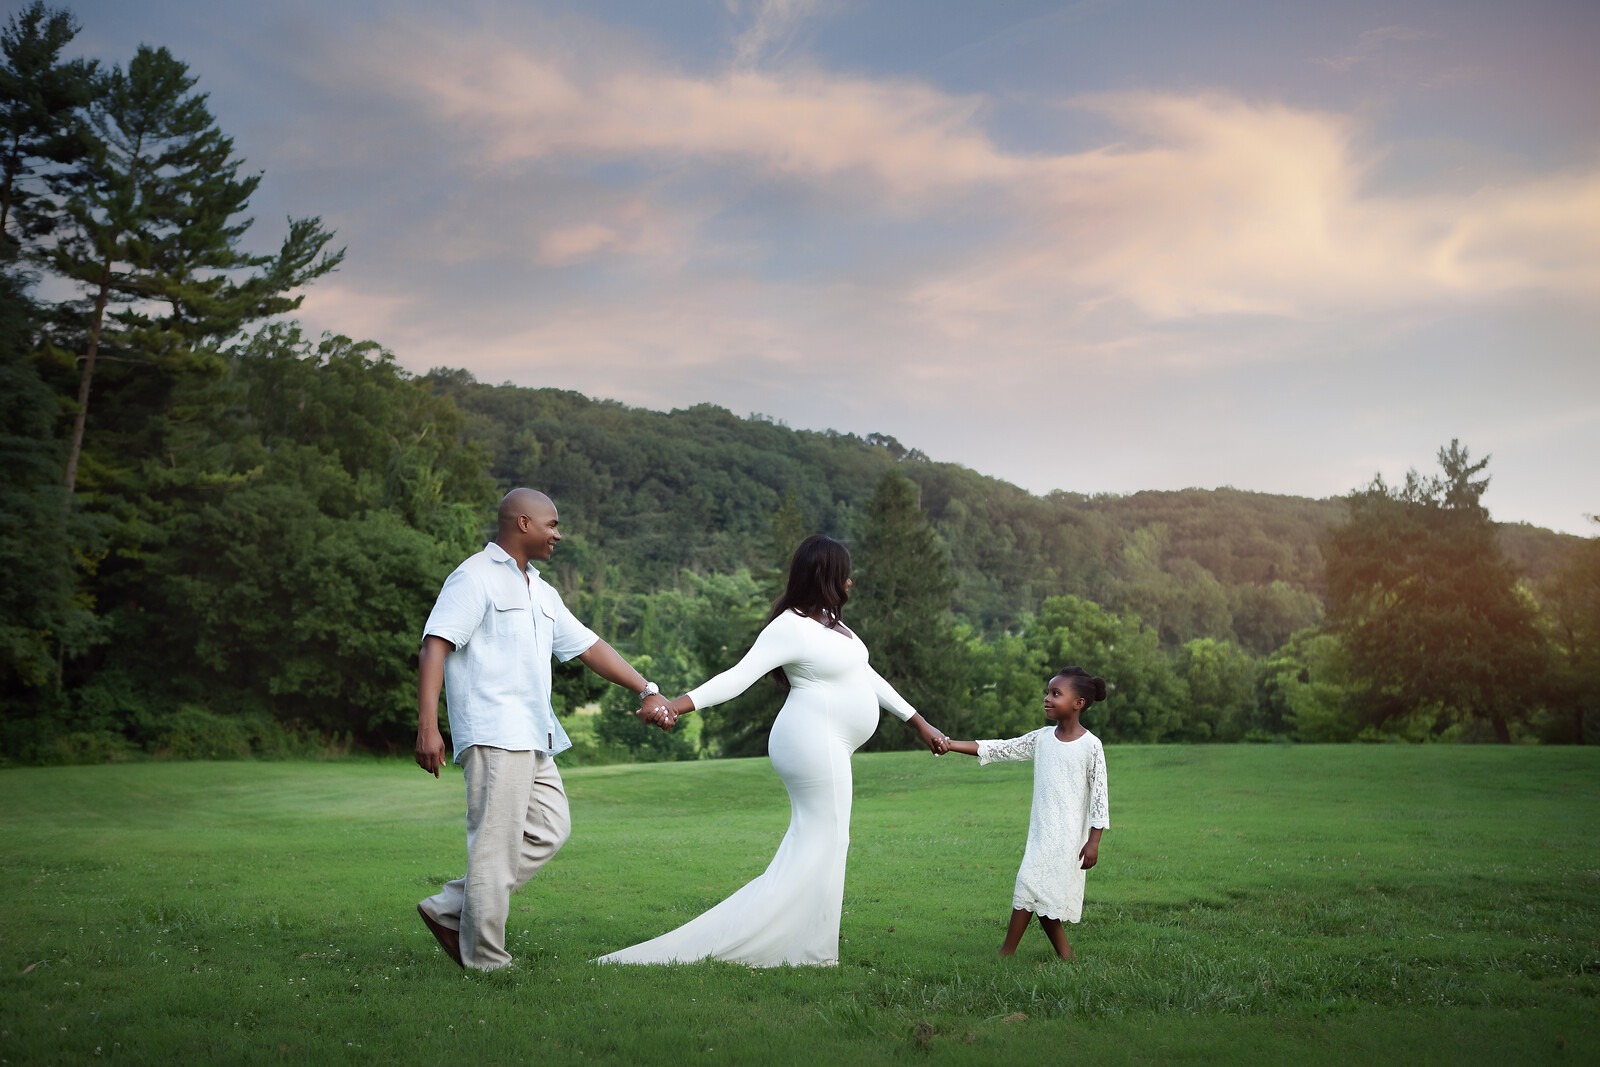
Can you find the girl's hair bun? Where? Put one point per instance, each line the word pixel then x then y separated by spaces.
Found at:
pixel 1089 686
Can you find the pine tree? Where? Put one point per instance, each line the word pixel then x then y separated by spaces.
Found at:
pixel 40 98
pixel 901 608
pixel 153 229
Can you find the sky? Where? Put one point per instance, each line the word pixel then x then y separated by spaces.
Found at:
pixel 1100 246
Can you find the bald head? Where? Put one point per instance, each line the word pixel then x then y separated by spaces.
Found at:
pixel 529 527
pixel 519 502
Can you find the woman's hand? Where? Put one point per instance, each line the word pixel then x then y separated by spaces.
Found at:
pixel 931 735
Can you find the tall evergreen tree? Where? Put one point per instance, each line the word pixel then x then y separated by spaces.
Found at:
pixel 1428 608
pixel 153 229
pixel 40 98
pixel 901 608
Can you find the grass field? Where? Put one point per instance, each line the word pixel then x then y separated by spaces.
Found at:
pixel 1272 904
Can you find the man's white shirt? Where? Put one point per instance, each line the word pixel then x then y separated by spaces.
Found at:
pixel 505 627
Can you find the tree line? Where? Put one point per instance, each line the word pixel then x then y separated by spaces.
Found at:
pixel 221 536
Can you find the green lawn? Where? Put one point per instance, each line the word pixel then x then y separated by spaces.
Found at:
pixel 1252 904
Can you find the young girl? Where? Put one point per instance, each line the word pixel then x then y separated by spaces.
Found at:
pixel 1070 807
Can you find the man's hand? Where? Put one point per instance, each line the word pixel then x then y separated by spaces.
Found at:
pixel 430 750
pixel 656 711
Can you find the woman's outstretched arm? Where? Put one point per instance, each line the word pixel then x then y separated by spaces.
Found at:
pixel 895 704
pixel 777 644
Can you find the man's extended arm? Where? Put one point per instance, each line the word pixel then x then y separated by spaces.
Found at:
pixel 609 664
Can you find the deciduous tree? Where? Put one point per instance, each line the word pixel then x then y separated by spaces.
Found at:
pixel 1436 631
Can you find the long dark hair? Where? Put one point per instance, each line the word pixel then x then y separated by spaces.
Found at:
pixel 817 574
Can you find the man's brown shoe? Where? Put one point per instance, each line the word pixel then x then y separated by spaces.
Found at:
pixel 449 940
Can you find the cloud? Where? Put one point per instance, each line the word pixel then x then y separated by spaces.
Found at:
pixel 352 309
pixel 632 228
pixel 1208 204
pixel 522 105
pixel 771 29
pixel 1370 45
pixel 1217 206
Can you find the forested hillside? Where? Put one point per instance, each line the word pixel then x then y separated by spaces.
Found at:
pixel 651 493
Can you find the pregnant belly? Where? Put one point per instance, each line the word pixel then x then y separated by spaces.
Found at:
pixel 822 720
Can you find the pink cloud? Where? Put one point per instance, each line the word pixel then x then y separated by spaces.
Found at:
pixel 632 228
pixel 910 139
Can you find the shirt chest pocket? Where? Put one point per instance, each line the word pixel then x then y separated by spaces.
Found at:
pixel 512 616
pixel 517 618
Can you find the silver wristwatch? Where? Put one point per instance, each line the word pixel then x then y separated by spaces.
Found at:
pixel 650 689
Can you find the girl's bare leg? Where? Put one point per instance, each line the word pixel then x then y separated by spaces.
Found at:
pixel 1058 936
pixel 1014 931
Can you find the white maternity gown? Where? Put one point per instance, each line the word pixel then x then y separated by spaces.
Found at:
pixel 790 914
pixel 1069 799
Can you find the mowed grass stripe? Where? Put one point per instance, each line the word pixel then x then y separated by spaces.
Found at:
pixel 1254 904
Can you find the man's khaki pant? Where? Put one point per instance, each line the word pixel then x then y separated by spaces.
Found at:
pixel 517 818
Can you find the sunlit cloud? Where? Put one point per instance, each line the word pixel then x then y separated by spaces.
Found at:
pixel 1220 207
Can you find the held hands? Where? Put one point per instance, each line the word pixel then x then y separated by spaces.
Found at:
pixel 941 745
pixel 656 711
pixel 931 735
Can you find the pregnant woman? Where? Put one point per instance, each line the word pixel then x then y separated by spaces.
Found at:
pixel 790 914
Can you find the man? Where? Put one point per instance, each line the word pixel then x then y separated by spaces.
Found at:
pixel 489 639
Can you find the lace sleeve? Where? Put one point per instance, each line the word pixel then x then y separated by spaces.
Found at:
pixel 1099 797
pixel 1017 748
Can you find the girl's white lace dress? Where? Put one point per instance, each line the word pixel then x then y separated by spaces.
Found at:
pixel 1069 798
